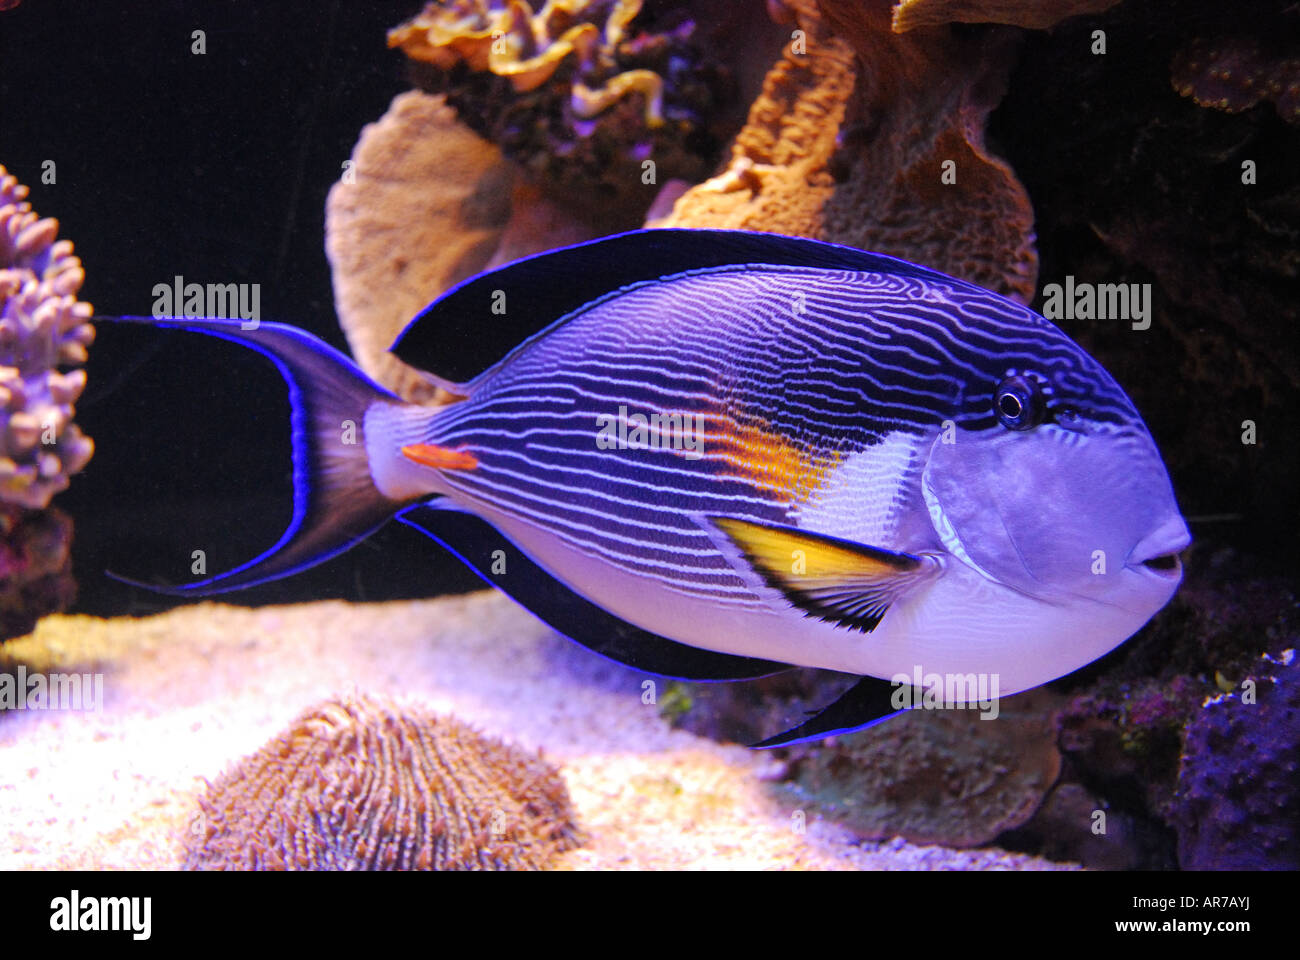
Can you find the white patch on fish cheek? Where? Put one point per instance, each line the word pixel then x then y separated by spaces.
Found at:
pixel 1085 493
pixel 861 499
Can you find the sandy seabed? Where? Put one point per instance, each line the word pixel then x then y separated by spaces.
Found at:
pixel 188 692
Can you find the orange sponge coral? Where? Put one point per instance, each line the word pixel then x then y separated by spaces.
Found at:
pixel 865 137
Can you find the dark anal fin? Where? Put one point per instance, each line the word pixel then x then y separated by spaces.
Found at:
pixel 866 703
pixel 473 541
pixel 839 581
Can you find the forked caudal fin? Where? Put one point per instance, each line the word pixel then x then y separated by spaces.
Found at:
pixel 335 500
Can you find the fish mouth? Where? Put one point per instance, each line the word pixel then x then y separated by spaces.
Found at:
pixel 1166 565
pixel 1158 552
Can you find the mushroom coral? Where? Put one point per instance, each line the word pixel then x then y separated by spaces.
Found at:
pixel 361 783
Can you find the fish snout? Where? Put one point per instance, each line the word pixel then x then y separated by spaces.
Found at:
pixel 1157 552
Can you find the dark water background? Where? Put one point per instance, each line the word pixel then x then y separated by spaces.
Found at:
pixel 214 167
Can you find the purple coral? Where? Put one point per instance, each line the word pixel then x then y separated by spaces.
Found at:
pixel 1238 800
pixel 42 326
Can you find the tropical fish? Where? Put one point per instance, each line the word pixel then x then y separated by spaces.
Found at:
pixel 715 454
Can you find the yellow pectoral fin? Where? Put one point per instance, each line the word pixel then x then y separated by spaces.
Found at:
pixel 839 581
pixel 440 458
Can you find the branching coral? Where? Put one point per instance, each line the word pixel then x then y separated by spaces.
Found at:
pixel 363 784
pixel 42 326
pixel 575 91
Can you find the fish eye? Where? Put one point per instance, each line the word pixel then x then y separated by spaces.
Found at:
pixel 1018 403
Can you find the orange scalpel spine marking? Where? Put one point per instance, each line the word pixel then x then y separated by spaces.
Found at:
pixel 440 458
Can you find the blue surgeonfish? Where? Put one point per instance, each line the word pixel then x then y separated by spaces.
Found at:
pixel 715 454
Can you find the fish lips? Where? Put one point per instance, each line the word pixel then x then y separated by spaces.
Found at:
pixel 1157 554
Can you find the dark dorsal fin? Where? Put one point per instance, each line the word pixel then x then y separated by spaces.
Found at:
pixel 539 290
pixel 473 541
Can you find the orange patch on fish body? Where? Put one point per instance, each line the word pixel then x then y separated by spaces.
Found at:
pixel 440 458
pixel 765 458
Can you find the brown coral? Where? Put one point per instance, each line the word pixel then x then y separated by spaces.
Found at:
pixel 363 784
pixel 935 776
pixel 425 204
pixel 509 39
pixel 35 567
pixel 1033 14
pixel 876 140
pixel 42 326
pixel 421 208
pixel 778 179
